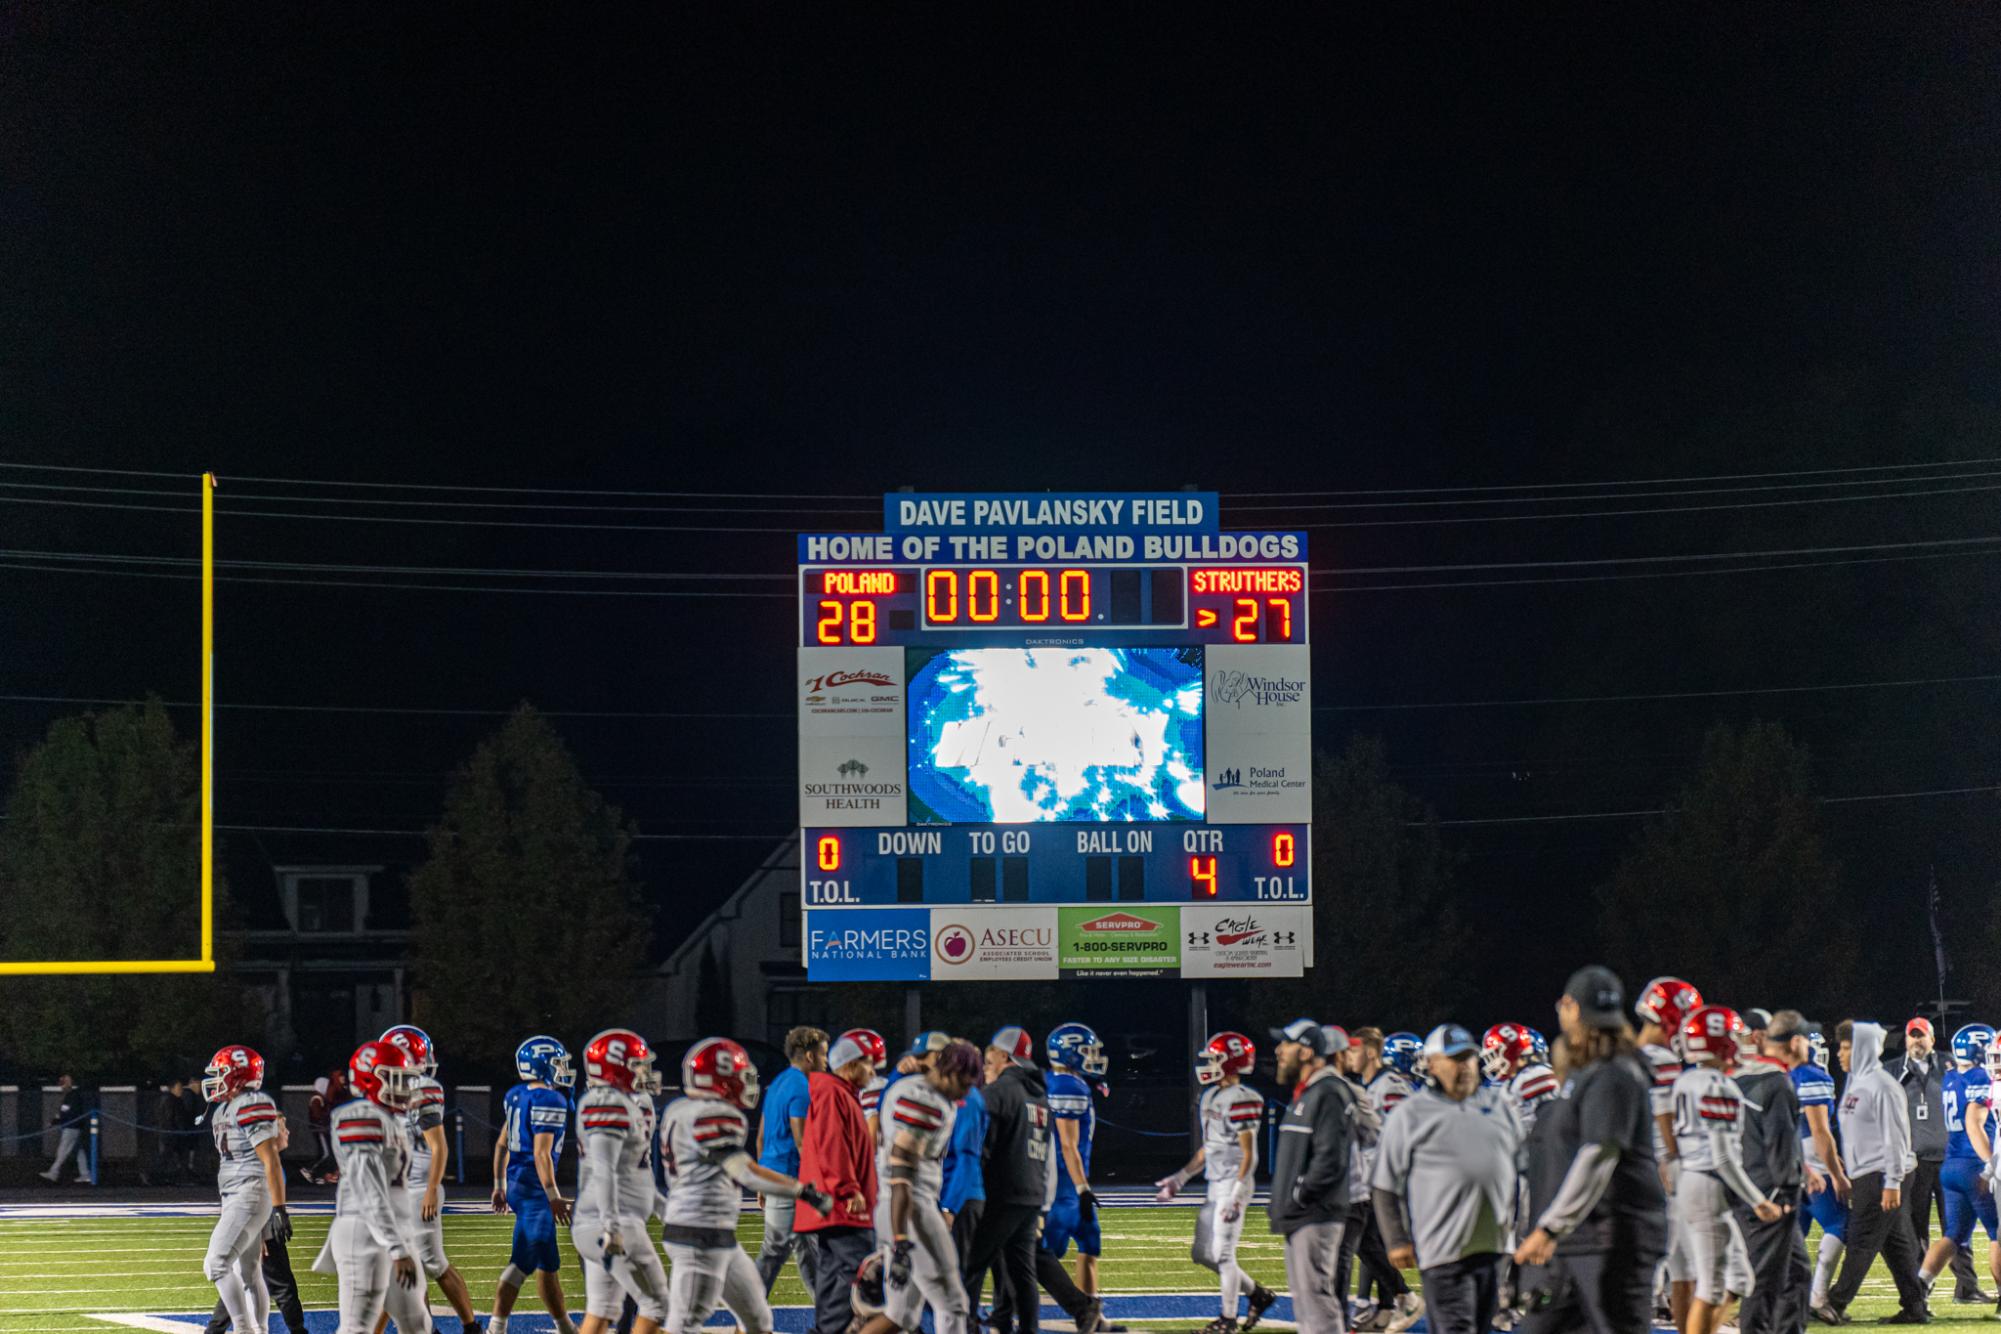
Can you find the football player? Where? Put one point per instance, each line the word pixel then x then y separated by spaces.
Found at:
pixel 877 1052
pixel 1076 1062
pixel 703 1135
pixel 426 1128
pixel 1508 1058
pixel 1994 1163
pixel 246 1125
pixel 615 1184
pixel 1968 1096
pixel 1401 1052
pixel 1826 1201
pixel 372 1247
pixel 1232 1113
pixel 1661 1009
pixel 1709 1130
pixel 921 1264
pixel 535 1116
pixel 1362 1245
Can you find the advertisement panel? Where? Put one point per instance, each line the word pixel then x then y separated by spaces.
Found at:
pixel 1245 940
pixel 850 692
pixel 1140 941
pixel 850 781
pixel 868 945
pixel 1260 735
pixel 1004 943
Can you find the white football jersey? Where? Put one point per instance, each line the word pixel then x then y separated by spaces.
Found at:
pixel 1708 1118
pixel 1227 1111
pixel 373 1152
pixel 912 1107
pixel 872 1096
pixel 615 1137
pixel 1665 1065
pixel 1388 1089
pixel 697 1135
pixel 1532 1086
pixel 239 1125
pixel 427 1109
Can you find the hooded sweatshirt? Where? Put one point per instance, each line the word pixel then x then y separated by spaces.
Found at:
pixel 1875 1119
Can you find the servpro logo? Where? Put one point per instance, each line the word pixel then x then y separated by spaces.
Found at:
pixel 1118 921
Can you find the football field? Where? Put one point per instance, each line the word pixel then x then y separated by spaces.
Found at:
pixel 139 1268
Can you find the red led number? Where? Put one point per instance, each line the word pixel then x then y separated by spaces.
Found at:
pixel 1244 626
pixel 941 596
pixel 1202 871
pixel 983 583
pixel 1283 850
pixel 830 853
pixel 1077 608
pixel 858 618
pixel 1282 612
pixel 1034 600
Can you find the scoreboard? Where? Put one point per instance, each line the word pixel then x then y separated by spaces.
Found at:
pixel 1047 736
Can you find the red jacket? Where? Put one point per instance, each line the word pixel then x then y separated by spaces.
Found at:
pixel 835 1154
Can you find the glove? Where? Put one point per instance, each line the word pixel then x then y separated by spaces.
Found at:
pixel 281 1224
pixel 1167 1186
pixel 1087 1206
pixel 899 1265
pixel 1233 1210
pixel 821 1202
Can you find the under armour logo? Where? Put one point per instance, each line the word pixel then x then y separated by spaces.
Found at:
pixel 1284 937
pixel 1198 937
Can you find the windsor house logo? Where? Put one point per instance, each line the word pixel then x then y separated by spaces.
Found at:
pixel 1241 690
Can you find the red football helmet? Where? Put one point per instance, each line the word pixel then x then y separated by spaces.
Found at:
pixel 1225 1054
pixel 871 1044
pixel 1667 1002
pixel 620 1057
pixel 1713 1034
pixel 416 1044
pixel 1504 1049
pixel 382 1073
pixel 231 1071
pixel 718 1068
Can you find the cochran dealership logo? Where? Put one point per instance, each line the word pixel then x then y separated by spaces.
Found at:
pixel 818 685
pixel 1118 921
pixel 956 944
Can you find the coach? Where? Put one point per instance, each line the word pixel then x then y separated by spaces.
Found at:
pixel 1604 1227
pixel 1876 1141
pixel 1777 1302
pixel 837 1154
pixel 1444 1185
pixel 1922 1073
pixel 1018 1176
pixel 1309 1173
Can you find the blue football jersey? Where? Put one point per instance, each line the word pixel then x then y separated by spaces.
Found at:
pixel 529 1112
pixel 1070 1100
pixel 1964 1090
pixel 1815 1088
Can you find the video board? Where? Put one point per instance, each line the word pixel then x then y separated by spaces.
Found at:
pixel 1048 736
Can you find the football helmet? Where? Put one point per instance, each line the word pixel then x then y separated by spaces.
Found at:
pixel 1504 1049
pixel 620 1058
pixel 1075 1047
pixel 1667 1002
pixel 416 1043
pixel 1400 1053
pixel 1970 1044
pixel 382 1073
pixel 1712 1034
pixel 871 1044
pixel 1816 1045
pixel 719 1068
pixel 1994 1059
pixel 868 1293
pixel 230 1071
pixel 1225 1054
pixel 544 1060
pixel 1541 1045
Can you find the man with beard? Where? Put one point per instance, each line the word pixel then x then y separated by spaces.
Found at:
pixel 1309 1182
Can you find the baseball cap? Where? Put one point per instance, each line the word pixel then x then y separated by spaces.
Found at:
pixel 1449 1040
pixel 1015 1041
pixel 1918 1025
pixel 1755 1018
pixel 1337 1037
pixel 843 1051
pixel 1308 1034
pixel 930 1040
pixel 1600 996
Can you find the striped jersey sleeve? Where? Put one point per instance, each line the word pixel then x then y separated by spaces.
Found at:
pixel 1666 1067
pixel 1534 1084
pixel 357 1129
pixel 872 1096
pixel 1814 1086
pixel 427 1105
pixel 257 1117
pixel 719 1131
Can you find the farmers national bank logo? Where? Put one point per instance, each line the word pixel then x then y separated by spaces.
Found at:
pixel 955 944
pixel 1241 689
pixel 867 938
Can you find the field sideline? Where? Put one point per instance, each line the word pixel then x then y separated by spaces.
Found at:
pixel 109 1269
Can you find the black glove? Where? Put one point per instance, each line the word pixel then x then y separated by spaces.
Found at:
pixel 821 1202
pixel 899 1265
pixel 281 1224
pixel 1087 1206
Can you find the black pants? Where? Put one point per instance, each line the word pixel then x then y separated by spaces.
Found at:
pixel 1005 1243
pixel 1779 1271
pixel 964 1224
pixel 837 1253
pixel 1461 1297
pixel 1610 1292
pixel 1874 1230
pixel 1362 1242
pixel 1928 1196
pixel 284 1291
pixel 1054 1280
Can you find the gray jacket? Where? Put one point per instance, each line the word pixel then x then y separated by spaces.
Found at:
pixel 1309 1170
pixel 1875 1120
pixel 1445 1175
pixel 1924 1095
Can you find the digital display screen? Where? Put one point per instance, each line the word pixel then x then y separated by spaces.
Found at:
pixel 1055 735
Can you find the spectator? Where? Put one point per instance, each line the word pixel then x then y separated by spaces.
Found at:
pixel 73 1119
pixel 1602 1226
pixel 329 1091
pixel 1876 1140
pixel 1444 1185
pixel 782 1122
pixel 837 1155
pixel 193 1110
pixel 963 1196
pixel 1310 1172
pixel 1777 1302
pixel 1922 1073
pixel 1019 1171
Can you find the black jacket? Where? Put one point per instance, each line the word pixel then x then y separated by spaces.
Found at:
pixel 1771 1129
pixel 1924 1093
pixel 1016 1158
pixel 1309 1169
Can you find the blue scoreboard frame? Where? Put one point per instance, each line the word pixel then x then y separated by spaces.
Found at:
pixel 892 889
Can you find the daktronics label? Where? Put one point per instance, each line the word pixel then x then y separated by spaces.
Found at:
pixel 1094 940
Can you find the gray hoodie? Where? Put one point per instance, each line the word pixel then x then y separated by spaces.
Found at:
pixel 1875 1119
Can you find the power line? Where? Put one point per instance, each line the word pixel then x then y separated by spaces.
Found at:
pixel 404 519
pixel 425 833
pixel 1661 695
pixel 372 584
pixel 774 510
pixel 1649 574
pixel 1637 481
pixel 1615 495
pixel 1574 816
pixel 436 486
pixel 393 709
pixel 123 558
pixel 1663 560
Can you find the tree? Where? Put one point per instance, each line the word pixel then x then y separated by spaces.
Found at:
pixel 100 859
pixel 527 913
pixel 1730 887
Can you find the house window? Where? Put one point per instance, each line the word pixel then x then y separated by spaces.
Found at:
pixel 326 905
pixel 788 921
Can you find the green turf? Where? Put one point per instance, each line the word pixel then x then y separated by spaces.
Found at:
pixel 54 1273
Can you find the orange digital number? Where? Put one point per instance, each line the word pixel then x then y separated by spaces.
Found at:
pixel 976 582
pixel 946 611
pixel 828 629
pixel 1034 590
pixel 1244 627
pixel 830 852
pixel 1078 609
pixel 861 623
pixel 1283 850
pixel 1202 870
pixel 1283 607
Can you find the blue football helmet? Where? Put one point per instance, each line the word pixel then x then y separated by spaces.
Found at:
pixel 1970 1044
pixel 1076 1048
pixel 543 1060
pixel 1400 1053
pixel 1541 1043
pixel 1816 1045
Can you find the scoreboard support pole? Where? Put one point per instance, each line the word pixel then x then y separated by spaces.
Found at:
pixel 1198 1033
pixel 913 1012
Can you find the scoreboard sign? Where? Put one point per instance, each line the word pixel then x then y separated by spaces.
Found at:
pixel 1049 736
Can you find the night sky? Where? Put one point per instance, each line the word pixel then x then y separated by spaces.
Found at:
pixel 809 255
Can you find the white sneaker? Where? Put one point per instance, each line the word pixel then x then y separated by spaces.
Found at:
pixel 1410 1310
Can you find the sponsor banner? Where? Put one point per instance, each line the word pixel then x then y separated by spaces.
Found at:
pixel 850 781
pixel 1245 940
pixel 851 692
pixel 984 944
pixel 1258 711
pixel 1137 940
pixel 868 945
